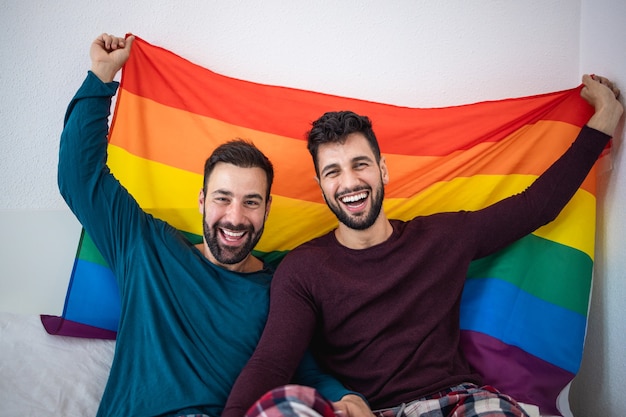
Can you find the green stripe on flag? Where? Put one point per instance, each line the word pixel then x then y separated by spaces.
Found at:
pixel 553 272
pixel 87 251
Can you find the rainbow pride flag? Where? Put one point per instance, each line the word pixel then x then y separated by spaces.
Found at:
pixel 524 309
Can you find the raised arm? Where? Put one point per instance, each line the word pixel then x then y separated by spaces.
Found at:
pixel 97 199
pixel 512 218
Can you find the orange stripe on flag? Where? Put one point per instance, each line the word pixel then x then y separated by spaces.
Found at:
pixel 183 140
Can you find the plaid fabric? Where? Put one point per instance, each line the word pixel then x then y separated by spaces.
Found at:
pixel 465 400
pixel 292 401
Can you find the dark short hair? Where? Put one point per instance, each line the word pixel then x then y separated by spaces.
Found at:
pixel 334 127
pixel 243 154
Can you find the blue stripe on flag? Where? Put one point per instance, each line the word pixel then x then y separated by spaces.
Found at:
pixel 515 317
pixel 93 297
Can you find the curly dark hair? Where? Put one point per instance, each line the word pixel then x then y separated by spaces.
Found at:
pixel 334 127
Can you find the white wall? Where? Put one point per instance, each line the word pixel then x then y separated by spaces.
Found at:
pixel 411 52
pixel 598 389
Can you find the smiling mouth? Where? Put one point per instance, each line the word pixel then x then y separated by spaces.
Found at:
pixel 232 236
pixel 355 201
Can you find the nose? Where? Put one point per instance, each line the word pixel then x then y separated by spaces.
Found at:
pixel 234 214
pixel 350 179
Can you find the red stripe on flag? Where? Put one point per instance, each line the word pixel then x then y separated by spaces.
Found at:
pixel 289 112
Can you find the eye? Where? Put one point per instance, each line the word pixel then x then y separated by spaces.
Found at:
pixel 361 165
pixel 252 203
pixel 331 173
pixel 221 200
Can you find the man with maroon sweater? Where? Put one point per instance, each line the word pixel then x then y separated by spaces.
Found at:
pixel 378 299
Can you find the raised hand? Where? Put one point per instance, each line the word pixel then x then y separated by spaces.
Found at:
pixel 108 54
pixel 603 95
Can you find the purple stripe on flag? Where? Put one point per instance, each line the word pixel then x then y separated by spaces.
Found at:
pixel 62 327
pixel 524 377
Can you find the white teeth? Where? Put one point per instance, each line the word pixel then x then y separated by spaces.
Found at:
pixel 232 234
pixel 353 198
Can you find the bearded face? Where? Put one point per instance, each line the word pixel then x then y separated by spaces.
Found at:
pixel 234 207
pixel 229 243
pixel 352 181
pixel 345 206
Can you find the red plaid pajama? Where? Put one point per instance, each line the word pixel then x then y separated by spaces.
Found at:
pixel 290 401
pixel 466 400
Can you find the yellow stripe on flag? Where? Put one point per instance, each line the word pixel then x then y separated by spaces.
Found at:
pixel 162 189
pixel 575 225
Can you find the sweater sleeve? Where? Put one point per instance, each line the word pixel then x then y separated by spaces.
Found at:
pixel 514 217
pixel 310 374
pixel 104 208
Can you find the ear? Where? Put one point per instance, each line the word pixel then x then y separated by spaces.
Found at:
pixel 267 207
pixel 384 172
pixel 317 180
pixel 201 201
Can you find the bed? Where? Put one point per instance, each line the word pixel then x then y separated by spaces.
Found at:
pixel 46 375
pixel 451 158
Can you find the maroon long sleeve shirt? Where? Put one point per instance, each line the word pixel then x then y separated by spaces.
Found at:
pixel 385 320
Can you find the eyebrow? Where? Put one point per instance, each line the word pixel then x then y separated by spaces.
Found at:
pixel 328 167
pixel 231 194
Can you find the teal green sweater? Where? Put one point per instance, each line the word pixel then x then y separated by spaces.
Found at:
pixel 187 326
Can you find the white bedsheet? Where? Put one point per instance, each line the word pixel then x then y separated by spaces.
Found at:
pixel 44 375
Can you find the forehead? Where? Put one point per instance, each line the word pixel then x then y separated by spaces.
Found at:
pixel 237 180
pixel 355 146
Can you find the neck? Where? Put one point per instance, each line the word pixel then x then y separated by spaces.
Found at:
pixel 362 239
pixel 249 264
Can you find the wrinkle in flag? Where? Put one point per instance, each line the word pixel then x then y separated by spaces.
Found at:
pixel 524 309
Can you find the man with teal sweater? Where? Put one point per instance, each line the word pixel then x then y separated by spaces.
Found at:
pixel 191 315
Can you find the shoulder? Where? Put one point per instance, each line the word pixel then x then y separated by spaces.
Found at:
pixel 308 254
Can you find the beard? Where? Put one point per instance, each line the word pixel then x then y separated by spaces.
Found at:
pixel 225 254
pixel 359 221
